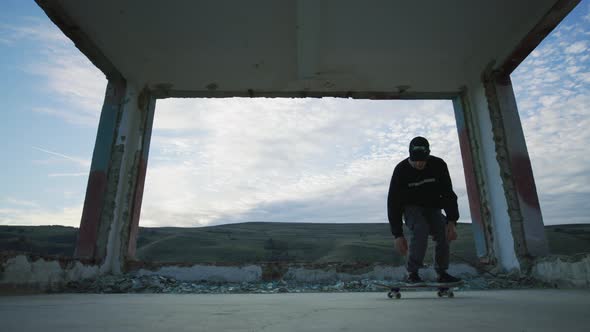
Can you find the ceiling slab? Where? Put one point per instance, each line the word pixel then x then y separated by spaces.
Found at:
pixel 359 49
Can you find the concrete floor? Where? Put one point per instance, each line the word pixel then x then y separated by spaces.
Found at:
pixel 508 310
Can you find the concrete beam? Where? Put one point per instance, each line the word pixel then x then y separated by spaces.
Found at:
pixel 165 91
pixel 86 45
pixel 308 38
pixel 549 22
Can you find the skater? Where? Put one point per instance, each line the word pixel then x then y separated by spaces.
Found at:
pixel 420 187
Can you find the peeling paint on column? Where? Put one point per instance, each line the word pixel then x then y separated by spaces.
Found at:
pixel 522 172
pixel 516 172
pixel 503 160
pixel 96 192
pixel 126 220
pixel 111 214
pixel 127 145
pixel 147 105
pixel 474 176
pixel 108 214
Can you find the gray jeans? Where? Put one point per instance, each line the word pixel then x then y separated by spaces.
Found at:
pixel 423 222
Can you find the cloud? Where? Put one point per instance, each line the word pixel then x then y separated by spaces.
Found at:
pixel 32 28
pixel 14 211
pixel 83 174
pixel 70 79
pixel 75 82
pixel 553 94
pixel 67 216
pixel 19 203
pixel 81 162
pixel 271 159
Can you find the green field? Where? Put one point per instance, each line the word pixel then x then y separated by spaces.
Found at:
pixel 270 242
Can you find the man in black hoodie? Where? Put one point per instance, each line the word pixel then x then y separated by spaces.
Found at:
pixel 420 188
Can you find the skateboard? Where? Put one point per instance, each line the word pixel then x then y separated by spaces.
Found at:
pixel 443 289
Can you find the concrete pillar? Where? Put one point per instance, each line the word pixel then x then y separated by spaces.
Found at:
pixel 86 246
pixel 110 218
pixel 146 133
pixel 500 182
pixel 474 178
pixel 517 173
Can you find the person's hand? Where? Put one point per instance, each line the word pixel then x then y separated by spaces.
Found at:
pixel 401 245
pixel 451 232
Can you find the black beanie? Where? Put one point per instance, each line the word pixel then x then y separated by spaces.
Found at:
pixel 419 149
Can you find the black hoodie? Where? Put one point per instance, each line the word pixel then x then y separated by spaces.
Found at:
pixel 430 187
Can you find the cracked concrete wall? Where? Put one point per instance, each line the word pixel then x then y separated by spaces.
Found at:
pixel 50 274
pixel 248 273
pixel 563 271
pixel 294 272
pixel 22 271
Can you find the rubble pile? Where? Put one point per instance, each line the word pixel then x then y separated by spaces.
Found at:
pixel 163 284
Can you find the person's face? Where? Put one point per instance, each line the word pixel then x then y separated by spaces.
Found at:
pixel 419 165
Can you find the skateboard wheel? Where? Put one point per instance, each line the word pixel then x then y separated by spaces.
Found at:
pixel 451 294
pixel 391 295
pixel 439 293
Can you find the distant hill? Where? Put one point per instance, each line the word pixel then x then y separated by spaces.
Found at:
pixel 267 241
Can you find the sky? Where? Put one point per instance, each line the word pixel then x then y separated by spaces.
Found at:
pixel 217 161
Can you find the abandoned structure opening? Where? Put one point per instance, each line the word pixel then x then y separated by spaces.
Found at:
pixel 301 180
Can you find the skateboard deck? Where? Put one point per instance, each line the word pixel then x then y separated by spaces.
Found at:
pixel 443 289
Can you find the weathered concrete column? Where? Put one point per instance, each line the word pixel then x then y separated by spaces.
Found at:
pixel 87 246
pixel 469 134
pixel 499 176
pixel 110 218
pixel 517 173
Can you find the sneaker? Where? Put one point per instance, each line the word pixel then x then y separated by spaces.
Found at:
pixel 445 278
pixel 414 279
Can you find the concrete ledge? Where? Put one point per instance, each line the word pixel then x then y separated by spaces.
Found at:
pixel 51 273
pixel 41 273
pixel 301 272
pixel 246 273
pixel 26 272
pixel 564 271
